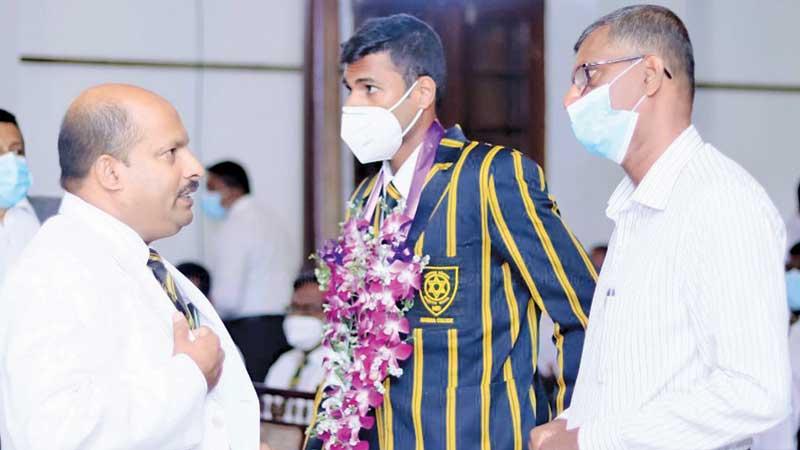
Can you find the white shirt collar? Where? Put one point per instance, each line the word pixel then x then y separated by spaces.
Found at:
pixel 127 244
pixel 24 205
pixel 242 203
pixel 656 187
pixel 21 209
pixel 405 175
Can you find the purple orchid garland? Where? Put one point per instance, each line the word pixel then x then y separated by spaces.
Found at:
pixel 369 281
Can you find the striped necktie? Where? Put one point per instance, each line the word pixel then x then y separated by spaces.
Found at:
pixel 163 276
pixel 391 196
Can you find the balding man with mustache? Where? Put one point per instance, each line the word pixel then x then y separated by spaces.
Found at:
pixel 103 344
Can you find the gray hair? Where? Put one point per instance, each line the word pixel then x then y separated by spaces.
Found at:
pixel 650 29
pixel 89 131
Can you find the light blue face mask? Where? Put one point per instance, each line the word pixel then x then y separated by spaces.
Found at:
pixel 211 203
pixel 603 130
pixel 793 289
pixel 15 179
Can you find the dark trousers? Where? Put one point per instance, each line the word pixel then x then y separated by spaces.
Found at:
pixel 261 341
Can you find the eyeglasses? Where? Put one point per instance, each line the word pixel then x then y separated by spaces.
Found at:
pixel 582 76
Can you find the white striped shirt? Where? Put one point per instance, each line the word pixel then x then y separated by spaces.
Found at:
pixel 687 340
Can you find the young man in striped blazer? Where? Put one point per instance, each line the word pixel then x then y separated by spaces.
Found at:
pixel 500 255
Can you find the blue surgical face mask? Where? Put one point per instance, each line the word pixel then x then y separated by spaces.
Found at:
pixel 15 179
pixel 603 130
pixel 211 203
pixel 793 289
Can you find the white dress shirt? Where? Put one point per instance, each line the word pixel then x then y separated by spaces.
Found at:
pixel 311 373
pixel 547 358
pixel 18 227
pixel 686 347
pixel 405 174
pixel 252 263
pixel 86 346
pixel 784 435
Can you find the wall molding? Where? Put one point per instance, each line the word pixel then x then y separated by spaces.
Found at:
pixel 160 64
pixel 749 87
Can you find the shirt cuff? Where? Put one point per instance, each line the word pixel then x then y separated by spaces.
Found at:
pixel 599 435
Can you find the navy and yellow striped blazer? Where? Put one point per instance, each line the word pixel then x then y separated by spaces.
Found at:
pixel 500 255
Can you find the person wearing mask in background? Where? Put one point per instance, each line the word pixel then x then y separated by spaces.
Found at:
pixel 794 257
pixel 103 344
pixel 300 369
pixel 252 264
pixel 686 346
pixel 198 275
pixel 20 215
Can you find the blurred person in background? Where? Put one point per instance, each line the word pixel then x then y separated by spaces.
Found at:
pixel 598 256
pixel 198 275
pixel 20 215
pixel 252 265
pixel 793 224
pixel 300 369
pixel 794 257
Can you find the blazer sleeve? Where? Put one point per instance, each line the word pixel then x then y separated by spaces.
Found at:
pixel 546 255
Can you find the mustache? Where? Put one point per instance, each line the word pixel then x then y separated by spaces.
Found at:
pixel 190 188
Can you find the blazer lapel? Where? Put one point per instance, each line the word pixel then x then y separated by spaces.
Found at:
pixel 437 181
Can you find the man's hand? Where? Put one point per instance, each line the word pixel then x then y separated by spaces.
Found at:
pixel 553 436
pixel 205 350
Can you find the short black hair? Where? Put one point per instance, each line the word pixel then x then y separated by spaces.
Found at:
pixel 7 117
pixel 89 131
pixel 650 29
pixel 305 277
pixel 795 250
pixel 232 175
pixel 195 270
pixel 413 45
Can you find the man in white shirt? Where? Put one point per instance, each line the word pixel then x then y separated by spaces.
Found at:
pixel 252 264
pixel 300 369
pixel 103 344
pixel 19 215
pixel 686 347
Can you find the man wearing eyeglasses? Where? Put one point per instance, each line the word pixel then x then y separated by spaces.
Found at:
pixel 686 345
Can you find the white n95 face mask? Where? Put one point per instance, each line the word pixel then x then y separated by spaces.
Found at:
pixel 603 130
pixel 302 332
pixel 374 133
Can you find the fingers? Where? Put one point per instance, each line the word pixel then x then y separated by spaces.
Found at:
pixel 180 327
pixel 536 438
pixel 216 373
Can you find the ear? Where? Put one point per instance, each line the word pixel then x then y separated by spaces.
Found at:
pixel 425 92
pixel 654 74
pixel 107 171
